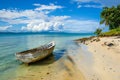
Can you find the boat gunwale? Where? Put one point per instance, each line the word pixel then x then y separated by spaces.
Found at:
pixel 34 50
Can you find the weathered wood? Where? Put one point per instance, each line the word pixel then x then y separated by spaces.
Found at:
pixel 35 54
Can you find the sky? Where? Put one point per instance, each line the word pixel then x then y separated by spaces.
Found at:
pixel 76 16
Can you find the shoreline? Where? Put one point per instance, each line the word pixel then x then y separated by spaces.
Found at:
pixel 106 57
pixel 99 62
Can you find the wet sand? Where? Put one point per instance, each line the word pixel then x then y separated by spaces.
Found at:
pixel 62 69
pixel 93 60
pixel 106 59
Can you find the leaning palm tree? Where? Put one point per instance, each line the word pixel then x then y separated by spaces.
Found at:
pixel 111 17
pixel 98 31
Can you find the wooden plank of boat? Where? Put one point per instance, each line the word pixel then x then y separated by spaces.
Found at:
pixel 36 54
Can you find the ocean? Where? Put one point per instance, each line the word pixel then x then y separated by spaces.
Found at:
pixel 11 43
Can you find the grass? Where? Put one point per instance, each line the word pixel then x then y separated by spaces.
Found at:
pixel 113 32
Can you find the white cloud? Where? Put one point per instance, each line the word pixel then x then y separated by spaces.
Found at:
pixel 3 28
pixel 107 3
pixel 15 14
pixel 81 25
pixel 25 16
pixel 43 26
pixel 79 6
pixel 39 12
pixel 68 25
pixel 54 23
pixel 39 20
pixel 36 19
pixel 90 6
pixel 47 7
pixel 93 6
pixel 36 4
pixel 85 1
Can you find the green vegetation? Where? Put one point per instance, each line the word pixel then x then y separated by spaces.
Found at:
pixel 111 17
pixel 98 31
pixel 113 32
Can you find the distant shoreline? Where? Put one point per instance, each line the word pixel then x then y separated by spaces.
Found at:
pixel 45 33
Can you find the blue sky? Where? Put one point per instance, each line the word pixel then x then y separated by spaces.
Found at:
pixel 52 15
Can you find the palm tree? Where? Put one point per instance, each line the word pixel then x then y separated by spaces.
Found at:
pixel 111 17
pixel 98 31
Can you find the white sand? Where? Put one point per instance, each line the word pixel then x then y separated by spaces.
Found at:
pixel 99 62
pixel 105 60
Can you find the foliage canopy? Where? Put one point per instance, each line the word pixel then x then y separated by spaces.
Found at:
pixel 111 17
pixel 98 31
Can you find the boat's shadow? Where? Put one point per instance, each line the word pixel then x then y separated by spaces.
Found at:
pixel 59 53
pixel 50 59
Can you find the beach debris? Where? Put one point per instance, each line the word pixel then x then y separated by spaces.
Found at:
pixel 112 40
pixel 96 39
pixel 110 44
pixel 108 48
pixel 42 78
pixel 32 75
pixel 83 40
pixel 105 43
pixel 102 44
pixel 118 37
pixel 49 67
pixel 48 73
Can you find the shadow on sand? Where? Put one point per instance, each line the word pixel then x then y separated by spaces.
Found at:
pixel 50 59
pixel 59 53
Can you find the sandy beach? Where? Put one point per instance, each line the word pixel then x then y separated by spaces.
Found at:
pixel 94 59
pixel 106 59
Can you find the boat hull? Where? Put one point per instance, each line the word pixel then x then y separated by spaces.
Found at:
pixel 39 54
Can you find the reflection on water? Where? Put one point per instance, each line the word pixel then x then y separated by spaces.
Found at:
pixel 78 54
pixel 12 43
pixel 59 53
pixel 46 61
pixel 75 62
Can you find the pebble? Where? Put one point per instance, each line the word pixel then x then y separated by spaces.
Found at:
pixel 48 73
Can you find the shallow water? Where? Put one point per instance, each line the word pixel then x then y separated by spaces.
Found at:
pixel 12 43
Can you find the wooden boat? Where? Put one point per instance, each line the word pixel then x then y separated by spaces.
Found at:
pixel 36 54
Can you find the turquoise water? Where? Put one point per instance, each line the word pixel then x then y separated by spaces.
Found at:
pixel 12 43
